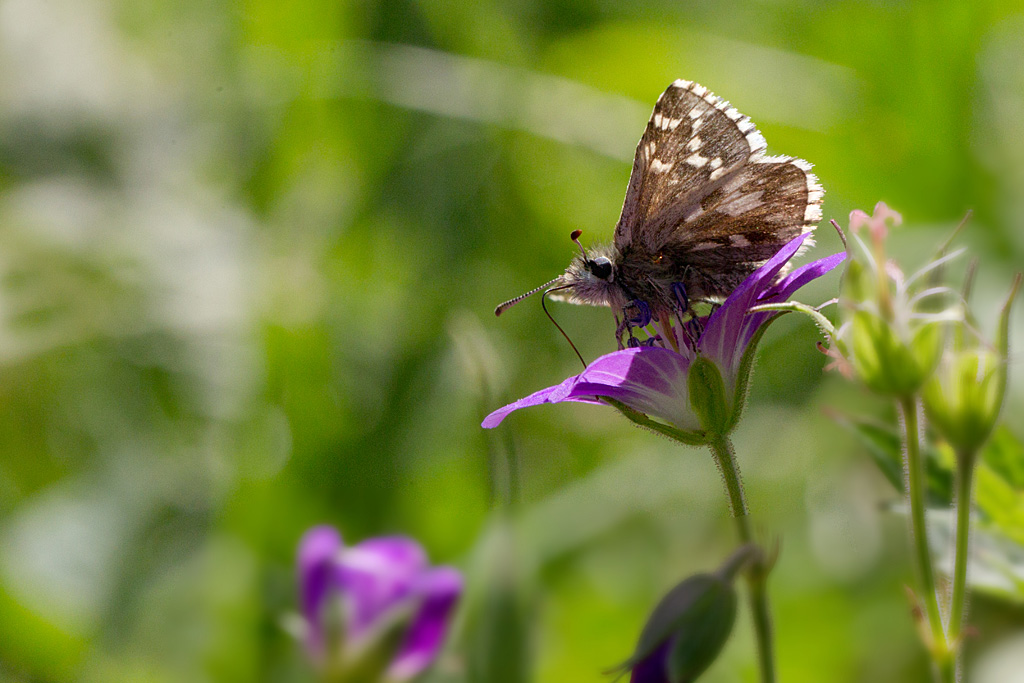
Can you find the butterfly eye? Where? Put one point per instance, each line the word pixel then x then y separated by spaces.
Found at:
pixel 601 267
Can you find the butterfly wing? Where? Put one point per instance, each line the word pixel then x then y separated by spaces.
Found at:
pixel 701 185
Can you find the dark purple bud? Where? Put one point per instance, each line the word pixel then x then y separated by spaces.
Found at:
pixel 689 627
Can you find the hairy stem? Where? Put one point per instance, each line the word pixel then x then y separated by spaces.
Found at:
pixel 725 458
pixel 958 602
pixel 795 306
pixel 916 493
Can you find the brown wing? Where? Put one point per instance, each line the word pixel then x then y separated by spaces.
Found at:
pixel 692 143
pixel 764 204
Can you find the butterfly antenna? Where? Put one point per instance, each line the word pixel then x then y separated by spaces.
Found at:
pixel 512 302
pixel 543 298
pixel 575 237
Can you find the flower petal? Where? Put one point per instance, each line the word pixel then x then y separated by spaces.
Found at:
pixel 858 218
pixel 652 668
pixel 785 287
pixel 649 379
pixel 728 331
pixel 440 589
pixel 376 576
pixel 555 394
pixel 318 551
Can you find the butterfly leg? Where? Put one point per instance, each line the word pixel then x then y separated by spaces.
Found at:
pixel 624 327
pixel 636 313
pixel 689 321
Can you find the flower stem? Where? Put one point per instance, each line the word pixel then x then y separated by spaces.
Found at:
pixel 795 306
pixel 916 492
pixel 958 603
pixel 725 458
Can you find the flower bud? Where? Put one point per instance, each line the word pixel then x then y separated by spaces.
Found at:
pixel 965 397
pixel 887 363
pixel 689 627
pixel 891 337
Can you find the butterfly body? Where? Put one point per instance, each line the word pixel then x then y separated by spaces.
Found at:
pixel 704 208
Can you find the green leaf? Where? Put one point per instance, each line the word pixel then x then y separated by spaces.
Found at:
pixel 1004 454
pixel 499 621
pixel 1000 500
pixel 884 444
pixel 995 563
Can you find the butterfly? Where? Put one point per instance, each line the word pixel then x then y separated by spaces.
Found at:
pixel 705 206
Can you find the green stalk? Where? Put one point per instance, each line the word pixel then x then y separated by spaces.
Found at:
pixel 916 491
pixel 958 603
pixel 725 458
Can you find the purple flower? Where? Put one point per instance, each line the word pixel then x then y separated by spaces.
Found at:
pixel 655 379
pixel 353 598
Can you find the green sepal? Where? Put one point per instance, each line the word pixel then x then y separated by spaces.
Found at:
pixel 707 396
pixel 926 349
pixel 739 398
pixel 702 635
pixel 370 662
pixel 963 401
pixel 684 436
pixel 885 363
pixel 855 285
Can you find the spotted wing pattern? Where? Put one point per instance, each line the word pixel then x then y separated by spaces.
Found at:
pixel 701 184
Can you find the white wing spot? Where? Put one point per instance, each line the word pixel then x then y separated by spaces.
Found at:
pixel 716 174
pixel 696 160
pixel 672 124
pixel 659 166
pixel 694 144
pixel 716 162
pixel 696 112
pixel 656 119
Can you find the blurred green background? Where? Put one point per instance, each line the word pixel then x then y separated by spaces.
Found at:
pixel 249 253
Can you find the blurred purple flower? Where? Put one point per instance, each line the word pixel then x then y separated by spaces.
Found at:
pixel 653 379
pixel 375 583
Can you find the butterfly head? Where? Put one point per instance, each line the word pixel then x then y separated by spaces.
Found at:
pixel 591 277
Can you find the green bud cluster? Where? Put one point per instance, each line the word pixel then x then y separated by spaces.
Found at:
pixel 891 345
pixel 913 340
